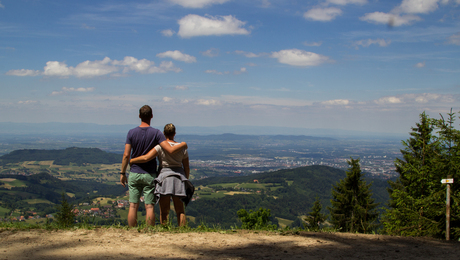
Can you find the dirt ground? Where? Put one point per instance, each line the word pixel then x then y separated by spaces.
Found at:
pixel 131 244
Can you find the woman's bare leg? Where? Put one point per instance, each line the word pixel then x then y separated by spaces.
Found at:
pixel 165 205
pixel 180 211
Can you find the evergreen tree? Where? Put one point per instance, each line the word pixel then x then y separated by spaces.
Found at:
pixel 65 216
pixel 315 218
pixel 417 198
pixel 353 209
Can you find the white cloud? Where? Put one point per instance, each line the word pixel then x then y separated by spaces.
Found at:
pixel 427 97
pixel 312 44
pixel 207 102
pixel 388 100
pixel 165 66
pixel 95 68
pixel 336 102
pixel 56 68
pixel 195 25
pixel 77 89
pixel 67 90
pixel 420 65
pixel 23 72
pixel 180 87
pixel 423 98
pixel 242 70
pixel 417 6
pixel 89 69
pixel 390 19
pixel 132 64
pixel 87 27
pixel 300 58
pixel 454 39
pixel 346 2
pixel 266 101
pixel 248 54
pixel 214 72
pixel 177 55
pixel 167 99
pixel 27 102
pixel 2 6
pixel 197 3
pixel 322 14
pixel 369 42
pixel 168 32
pixel 213 52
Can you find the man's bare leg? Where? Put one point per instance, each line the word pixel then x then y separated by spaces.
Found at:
pixel 180 211
pixel 165 205
pixel 149 215
pixel 132 214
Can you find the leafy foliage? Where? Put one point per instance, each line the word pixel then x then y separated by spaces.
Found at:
pixel 353 209
pixel 417 197
pixel 255 219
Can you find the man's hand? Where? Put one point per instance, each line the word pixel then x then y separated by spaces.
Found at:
pixel 123 180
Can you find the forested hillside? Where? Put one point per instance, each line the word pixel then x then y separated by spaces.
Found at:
pixel 289 194
pixel 75 155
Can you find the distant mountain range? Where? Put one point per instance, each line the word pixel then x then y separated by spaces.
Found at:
pixel 96 129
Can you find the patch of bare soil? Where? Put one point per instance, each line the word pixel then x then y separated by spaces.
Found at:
pixel 131 244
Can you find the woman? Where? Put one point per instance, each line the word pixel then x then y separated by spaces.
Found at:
pixel 173 178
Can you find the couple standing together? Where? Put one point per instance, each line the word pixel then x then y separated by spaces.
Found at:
pixel 143 144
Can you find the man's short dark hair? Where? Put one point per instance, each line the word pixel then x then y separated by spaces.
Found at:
pixel 145 113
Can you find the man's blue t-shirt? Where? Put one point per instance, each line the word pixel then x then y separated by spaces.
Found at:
pixel 142 140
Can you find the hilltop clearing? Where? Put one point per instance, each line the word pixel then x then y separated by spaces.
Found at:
pixel 131 244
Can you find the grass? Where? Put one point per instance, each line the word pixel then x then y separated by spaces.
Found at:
pixel 213 195
pixel 284 222
pixel 3 211
pixel 36 201
pixel 224 185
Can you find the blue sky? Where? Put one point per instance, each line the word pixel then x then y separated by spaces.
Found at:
pixel 364 65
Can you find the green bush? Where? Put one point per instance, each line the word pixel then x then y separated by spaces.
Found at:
pixel 255 219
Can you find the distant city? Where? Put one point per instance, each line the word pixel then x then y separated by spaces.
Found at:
pixel 375 166
pixel 230 155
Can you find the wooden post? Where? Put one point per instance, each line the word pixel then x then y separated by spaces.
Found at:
pixel 448 212
pixel 448 181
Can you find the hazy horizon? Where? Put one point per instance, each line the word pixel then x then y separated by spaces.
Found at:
pixel 81 129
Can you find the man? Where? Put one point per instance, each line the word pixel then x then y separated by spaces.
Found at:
pixel 139 141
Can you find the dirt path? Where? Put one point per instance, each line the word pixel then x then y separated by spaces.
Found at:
pixel 130 244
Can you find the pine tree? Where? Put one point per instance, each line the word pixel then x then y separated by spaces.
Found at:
pixel 353 209
pixel 417 197
pixel 450 160
pixel 315 218
pixel 65 216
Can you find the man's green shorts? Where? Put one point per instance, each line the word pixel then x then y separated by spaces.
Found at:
pixel 141 184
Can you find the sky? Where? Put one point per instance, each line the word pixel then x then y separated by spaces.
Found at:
pixel 362 65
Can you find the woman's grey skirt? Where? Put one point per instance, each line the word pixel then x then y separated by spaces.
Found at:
pixel 172 181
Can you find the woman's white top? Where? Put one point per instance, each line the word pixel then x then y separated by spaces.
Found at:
pixel 171 160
